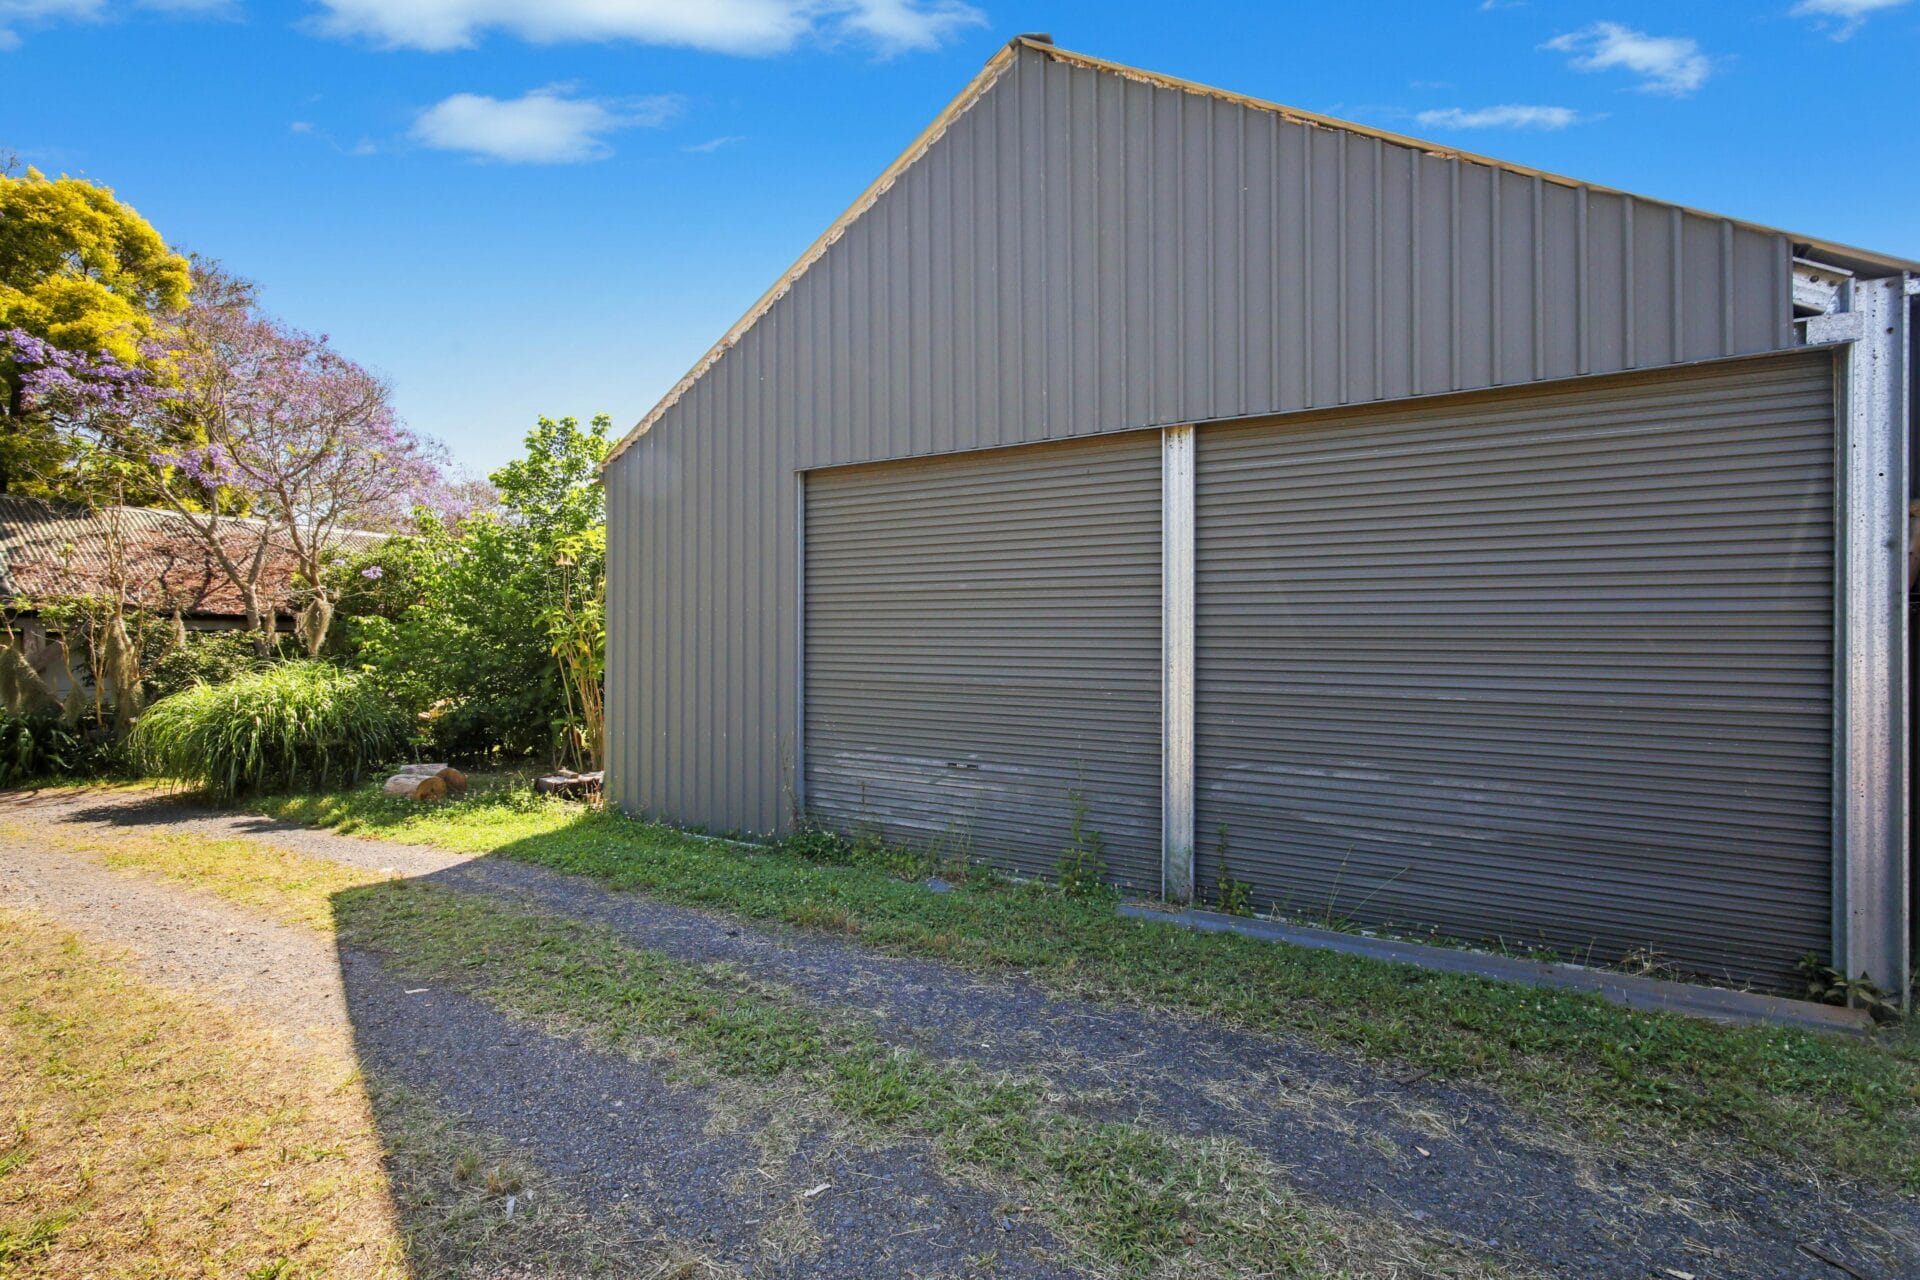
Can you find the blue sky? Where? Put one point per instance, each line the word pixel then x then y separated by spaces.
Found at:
pixel 514 208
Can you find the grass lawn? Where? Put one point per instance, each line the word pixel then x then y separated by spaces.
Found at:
pixel 1125 1198
pixel 145 1133
pixel 1822 1103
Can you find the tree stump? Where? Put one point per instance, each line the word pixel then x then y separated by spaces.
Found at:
pixel 416 786
pixel 569 785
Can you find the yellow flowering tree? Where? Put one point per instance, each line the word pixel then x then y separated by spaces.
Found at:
pixel 84 273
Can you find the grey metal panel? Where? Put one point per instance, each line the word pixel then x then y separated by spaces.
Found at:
pixel 1148 257
pixel 1553 666
pixel 1240 263
pixel 982 644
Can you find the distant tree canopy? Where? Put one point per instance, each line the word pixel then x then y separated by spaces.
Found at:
pixel 134 376
pixel 81 269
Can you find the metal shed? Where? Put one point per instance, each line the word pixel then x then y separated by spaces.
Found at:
pixel 1423 540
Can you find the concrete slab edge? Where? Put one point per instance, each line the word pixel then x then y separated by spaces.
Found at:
pixel 1628 990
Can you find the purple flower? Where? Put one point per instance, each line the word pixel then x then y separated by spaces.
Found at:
pixel 373 573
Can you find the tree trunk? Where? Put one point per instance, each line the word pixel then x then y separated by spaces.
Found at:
pixel 259 622
pixel 314 621
pixel 456 781
pixel 415 786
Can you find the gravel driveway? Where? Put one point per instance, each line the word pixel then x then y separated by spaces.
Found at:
pixel 1455 1161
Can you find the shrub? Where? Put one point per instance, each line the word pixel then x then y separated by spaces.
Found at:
pixel 206 658
pixel 296 724
pixel 37 746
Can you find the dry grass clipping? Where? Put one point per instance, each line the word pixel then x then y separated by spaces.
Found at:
pixel 148 1134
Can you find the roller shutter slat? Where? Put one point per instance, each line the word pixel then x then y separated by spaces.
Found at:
pixel 1555 669
pixel 983 637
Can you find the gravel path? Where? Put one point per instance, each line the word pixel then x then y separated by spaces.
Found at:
pixel 683 1163
pixel 286 976
pixel 1451 1159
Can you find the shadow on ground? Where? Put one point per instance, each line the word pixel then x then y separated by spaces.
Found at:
pixel 681 1159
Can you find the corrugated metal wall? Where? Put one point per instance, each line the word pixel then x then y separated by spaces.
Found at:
pixel 1086 253
pixel 983 651
pixel 1553 667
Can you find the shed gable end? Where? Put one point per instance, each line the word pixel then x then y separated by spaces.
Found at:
pixel 1075 251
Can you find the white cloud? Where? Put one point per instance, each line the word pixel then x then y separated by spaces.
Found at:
pixel 31 13
pixel 1850 14
pixel 541 127
pixel 719 26
pixel 713 144
pixel 900 25
pixel 1507 116
pixel 18 13
pixel 1665 64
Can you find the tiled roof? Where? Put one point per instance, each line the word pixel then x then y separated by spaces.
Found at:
pixel 50 550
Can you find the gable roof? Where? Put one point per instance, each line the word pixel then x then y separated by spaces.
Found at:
pixel 47 549
pixel 1861 260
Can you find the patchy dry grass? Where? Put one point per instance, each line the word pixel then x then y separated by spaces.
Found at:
pixel 289 887
pixel 151 1135
pixel 1812 1102
pixel 144 1133
pixel 1131 1199
pixel 1128 1197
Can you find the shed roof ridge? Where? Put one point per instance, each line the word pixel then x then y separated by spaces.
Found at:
pixel 1003 60
pixel 1300 116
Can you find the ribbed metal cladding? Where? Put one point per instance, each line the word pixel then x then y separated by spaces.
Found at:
pixel 1553 667
pixel 983 647
pixel 1085 253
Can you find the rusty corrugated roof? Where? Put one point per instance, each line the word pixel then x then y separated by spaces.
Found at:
pixel 51 550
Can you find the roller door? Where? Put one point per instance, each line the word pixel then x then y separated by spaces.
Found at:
pixel 982 652
pixel 1553 668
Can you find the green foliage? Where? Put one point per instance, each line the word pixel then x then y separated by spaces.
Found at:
pixel 816 844
pixel 494 627
pixel 1831 1103
pixel 37 746
pixel 1829 985
pixel 207 657
pixel 869 848
pixel 1082 868
pixel 296 724
pixel 1235 897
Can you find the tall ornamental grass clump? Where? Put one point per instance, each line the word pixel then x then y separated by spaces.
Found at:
pixel 298 724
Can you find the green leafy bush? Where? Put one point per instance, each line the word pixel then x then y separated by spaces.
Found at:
pixel 492 626
pixel 296 724
pixel 37 747
pixel 206 658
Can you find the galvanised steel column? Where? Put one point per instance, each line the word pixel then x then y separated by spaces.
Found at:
pixel 1870 845
pixel 1176 663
